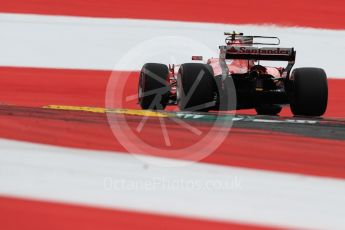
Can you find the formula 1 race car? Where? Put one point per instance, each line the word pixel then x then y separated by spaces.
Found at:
pixel 236 80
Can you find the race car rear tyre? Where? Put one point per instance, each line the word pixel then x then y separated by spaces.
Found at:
pixel 196 87
pixel 154 87
pixel 271 110
pixel 309 94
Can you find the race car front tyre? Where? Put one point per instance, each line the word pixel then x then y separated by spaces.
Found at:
pixel 309 94
pixel 196 87
pixel 154 87
pixel 271 110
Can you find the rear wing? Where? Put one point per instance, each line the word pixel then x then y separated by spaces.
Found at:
pixel 241 47
pixel 254 53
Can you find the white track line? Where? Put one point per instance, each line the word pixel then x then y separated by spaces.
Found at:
pixel 90 43
pixel 197 190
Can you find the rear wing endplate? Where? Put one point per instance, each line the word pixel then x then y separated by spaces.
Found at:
pixel 254 53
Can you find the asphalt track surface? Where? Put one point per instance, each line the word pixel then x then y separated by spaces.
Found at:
pixel 323 128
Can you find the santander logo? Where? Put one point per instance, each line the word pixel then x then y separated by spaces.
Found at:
pixel 252 50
